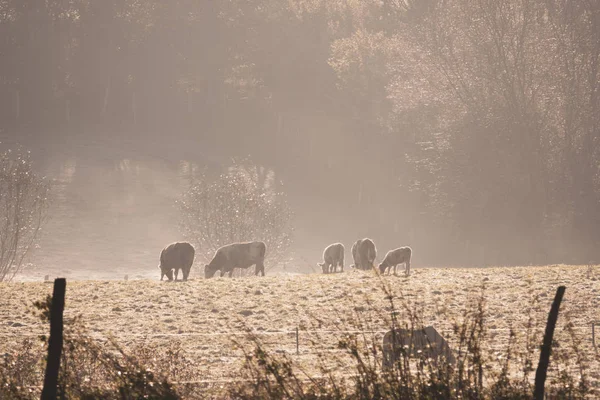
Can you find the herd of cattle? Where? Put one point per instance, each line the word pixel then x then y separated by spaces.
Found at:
pixel 419 342
pixel 180 256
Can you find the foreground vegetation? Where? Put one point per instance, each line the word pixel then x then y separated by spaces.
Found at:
pixel 494 330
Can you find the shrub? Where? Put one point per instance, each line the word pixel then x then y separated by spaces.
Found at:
pixel 23 209
pixel 244 203
pixel 90 369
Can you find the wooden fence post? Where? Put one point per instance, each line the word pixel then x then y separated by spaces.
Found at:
pixel 55 342
pixel 542 369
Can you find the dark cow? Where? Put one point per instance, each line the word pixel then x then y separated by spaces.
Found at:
pixel 395 257
pixel 178 255
pixel 237 255
pixel 424 343
pixel 332 257
pixel 364 253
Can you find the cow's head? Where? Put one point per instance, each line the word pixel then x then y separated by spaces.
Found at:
pixel 381 268
pixel 168 273
pixel 209 272
pixel 324 267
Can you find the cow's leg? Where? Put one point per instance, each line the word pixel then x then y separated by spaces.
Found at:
pixel 176 273
pixel 260 267
pixel 407 263
pixel 231 273
pixel 222 273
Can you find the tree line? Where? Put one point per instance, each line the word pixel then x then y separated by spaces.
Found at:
pixel 468 129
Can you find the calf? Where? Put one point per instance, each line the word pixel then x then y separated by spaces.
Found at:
pixel 395 257
pixel 332 257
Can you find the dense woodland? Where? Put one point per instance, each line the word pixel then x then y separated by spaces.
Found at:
pixel 468 129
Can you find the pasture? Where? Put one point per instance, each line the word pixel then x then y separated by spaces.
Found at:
pixel 207 319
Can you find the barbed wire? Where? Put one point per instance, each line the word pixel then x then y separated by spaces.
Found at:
pixel 255 333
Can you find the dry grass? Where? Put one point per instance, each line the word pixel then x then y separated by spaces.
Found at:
pixel 205 320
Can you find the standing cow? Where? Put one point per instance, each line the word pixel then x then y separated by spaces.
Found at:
pixel 237 255
pixel 364 253
pixel 395 257
pixel 332 257
pixel 178 255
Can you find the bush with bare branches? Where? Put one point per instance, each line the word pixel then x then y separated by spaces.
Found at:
pixel 23 209
pixel 244 203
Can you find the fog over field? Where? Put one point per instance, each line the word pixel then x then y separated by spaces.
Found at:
pixel 113 207
pixel 466 131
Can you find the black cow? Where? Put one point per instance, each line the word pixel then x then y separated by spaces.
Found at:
pixel 364 253
pixel 395 257
pixel 178 255
pixel 237 255
pixel 332 257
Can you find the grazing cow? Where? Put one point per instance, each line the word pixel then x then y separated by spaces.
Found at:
pixel 364 253
pixel 178 255
pixel 423 343
pixel 237 255
pixel 332 257
pixel 395 257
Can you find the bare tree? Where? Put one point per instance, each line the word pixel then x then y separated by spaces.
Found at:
pixel 242 204
pixel 23 209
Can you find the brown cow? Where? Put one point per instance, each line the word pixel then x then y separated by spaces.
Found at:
pixel 364 253
pixel 332 257
pixel 395 257
pixel 178 255
pixel 237 255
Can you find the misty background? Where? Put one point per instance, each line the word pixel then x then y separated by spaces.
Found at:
pixel 468 130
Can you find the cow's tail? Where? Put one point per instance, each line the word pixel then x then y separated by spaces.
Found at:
pixel 263 250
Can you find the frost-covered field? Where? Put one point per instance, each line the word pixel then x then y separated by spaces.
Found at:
pixel 207 316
